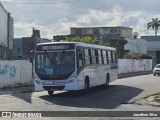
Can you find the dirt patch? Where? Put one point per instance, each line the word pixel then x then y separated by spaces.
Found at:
pixel 153 100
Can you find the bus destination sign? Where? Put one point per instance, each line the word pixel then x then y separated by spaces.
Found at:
pixel 55 47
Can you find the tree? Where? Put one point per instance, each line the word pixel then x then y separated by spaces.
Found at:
pixel 86 39
pixel 155 23
pixel 119 45
pixel 116 43
pixel 75 39
pixel 105 44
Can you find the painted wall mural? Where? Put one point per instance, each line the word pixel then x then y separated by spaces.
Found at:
pixel 136 45
pixel 15 73
pixel 7 70
pixel 131 65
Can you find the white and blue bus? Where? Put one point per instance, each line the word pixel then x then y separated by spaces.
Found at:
pixel 72 66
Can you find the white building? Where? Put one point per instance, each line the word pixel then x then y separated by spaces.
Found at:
pixel 6 32
pixel 153 47
pixel 136 45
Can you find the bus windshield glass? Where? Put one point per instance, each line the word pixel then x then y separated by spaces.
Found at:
pixel 54 65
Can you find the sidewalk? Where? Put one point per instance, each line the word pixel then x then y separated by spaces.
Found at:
pixel 18 89
pixel 153 100
pixel 30 88
pixel 124 75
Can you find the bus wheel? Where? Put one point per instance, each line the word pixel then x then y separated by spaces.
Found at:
pixel 50 93
pixel 107 81
pixel 86 87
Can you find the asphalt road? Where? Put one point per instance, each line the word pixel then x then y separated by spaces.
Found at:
pixel 119 96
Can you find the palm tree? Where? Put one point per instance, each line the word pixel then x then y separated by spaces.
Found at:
pixel 155 23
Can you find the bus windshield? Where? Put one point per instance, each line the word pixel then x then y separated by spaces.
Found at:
pixel 54 65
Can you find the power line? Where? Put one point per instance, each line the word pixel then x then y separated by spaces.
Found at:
pixel 47 28
pixel 40 3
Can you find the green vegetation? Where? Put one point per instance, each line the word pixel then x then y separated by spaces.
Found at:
pixel 119 43
pixel 86 39
pixel 155 23
pixel 116 43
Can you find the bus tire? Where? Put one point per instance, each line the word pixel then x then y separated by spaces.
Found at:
pixel 86 86
pixel 50 93
pixel 107 80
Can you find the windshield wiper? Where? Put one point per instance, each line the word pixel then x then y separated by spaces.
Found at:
pixel 63 55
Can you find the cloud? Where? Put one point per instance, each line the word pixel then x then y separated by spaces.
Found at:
pixel 56 19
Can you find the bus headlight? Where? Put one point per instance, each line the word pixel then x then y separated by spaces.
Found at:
pixel 71 80
pixel 37 81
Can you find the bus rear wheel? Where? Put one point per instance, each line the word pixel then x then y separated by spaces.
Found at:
pixel 50 93
pixel 86 87
pixel 107 80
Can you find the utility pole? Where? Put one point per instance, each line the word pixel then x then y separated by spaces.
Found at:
pixel 8 35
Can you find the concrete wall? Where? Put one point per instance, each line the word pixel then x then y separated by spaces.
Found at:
pixel 19 72
pixel 153 42
pixel 6 32
pixel 136 46
pixel 126 32
pixel 17 43
pixel 15 73
pixel 3 26
pixel 131 65
pixel 10 31
pixel 103 32
pixel 153 45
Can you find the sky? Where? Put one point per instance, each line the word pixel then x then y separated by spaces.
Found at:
pixel 56 17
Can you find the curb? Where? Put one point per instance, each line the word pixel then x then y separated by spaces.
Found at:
pixel 131 74
pixel 145 100
pixel 17 89
pixel 30 88
pixel 155 104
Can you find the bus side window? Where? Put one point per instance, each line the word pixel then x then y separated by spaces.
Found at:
pixel 113 57
pixel 116 61
pixel 90 55
pixel 93 56
pixel 109 57
pixel 79 57
pixel 104 57
pixel 112 60
pixel 86 56
pixel 97 58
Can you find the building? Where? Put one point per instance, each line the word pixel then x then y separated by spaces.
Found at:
pixel 136 46
pixel 101 34
pixel 153 47
pixel 22 47
pixel 6 33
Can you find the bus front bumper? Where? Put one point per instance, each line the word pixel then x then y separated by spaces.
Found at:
pixel 54 87
pixel 67 87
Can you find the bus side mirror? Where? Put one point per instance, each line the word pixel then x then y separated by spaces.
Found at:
pixel 31 59
pixel 80 56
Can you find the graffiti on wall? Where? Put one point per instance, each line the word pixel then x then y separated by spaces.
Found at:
pixel 148 65
pixel 136 46
pixel 145 65
pixel 129 65
pixel 7 70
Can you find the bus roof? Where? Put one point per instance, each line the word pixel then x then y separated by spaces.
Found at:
pixel 80 44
